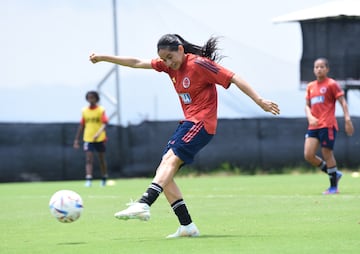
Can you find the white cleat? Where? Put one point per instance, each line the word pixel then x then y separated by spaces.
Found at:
pixel 88 183
pixel 186 231
pixel 135 210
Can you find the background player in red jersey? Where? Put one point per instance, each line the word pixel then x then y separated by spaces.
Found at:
pixel 194 72
pixel 321 97
pixel 93 124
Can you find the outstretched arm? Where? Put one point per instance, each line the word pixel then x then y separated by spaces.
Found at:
pixel 120 60
pixel 266 105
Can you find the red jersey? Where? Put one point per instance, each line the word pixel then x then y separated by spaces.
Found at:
pixel 322 96
pixel 195 83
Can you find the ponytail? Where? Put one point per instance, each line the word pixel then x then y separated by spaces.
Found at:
pixel 172 42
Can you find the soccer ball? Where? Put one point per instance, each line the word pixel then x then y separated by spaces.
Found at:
pixel 66 206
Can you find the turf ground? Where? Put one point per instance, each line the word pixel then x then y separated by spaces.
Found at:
pixel 237 214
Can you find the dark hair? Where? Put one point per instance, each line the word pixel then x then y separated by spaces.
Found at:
pixel 94 93
pixel 172 42
pixel 325 60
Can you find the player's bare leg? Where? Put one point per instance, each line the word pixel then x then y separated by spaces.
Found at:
pixel 89 168
pixel 332 170
pixel 103 168
pixel 187 227
pixel 168 167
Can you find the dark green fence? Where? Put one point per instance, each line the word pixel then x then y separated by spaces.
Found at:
pixel 35 152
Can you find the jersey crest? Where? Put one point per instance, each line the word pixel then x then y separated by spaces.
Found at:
pixel 186 82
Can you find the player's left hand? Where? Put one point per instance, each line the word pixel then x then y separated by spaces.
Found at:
pixel 270 106
pixel 349 128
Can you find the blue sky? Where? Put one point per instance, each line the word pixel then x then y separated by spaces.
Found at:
pixel 46 43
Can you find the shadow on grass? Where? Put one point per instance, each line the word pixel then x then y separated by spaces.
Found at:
pixel 229 236
pixel 204 237
pixel 72 243
pixel 198 238
pixel 144 239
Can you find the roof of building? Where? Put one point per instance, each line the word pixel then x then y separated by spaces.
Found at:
pixel 329 9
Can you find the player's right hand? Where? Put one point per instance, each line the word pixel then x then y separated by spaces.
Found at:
pixel 93 58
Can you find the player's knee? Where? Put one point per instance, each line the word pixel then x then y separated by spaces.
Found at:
pixel 309 156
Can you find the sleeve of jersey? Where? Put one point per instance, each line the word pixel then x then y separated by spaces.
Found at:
pixel 307 96
pixel 215 73
pixel 338 92
pixel 104 118
pixel 82 120
pixel 159 65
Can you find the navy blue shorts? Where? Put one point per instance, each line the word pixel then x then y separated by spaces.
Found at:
pixel 326 136
pixel 187 140
pixel 94 147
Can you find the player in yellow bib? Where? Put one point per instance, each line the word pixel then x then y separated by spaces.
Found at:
pixel 93 123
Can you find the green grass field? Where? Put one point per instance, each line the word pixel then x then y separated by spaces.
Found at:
pixel 235 214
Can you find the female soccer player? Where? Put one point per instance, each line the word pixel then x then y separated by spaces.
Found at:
pixel 93 124
pixel 193 73
pixel 321 97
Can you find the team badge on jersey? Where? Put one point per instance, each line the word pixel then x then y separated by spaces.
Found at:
pixel 323 90
pixel 186 82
